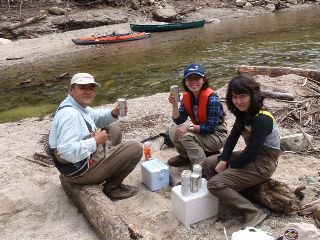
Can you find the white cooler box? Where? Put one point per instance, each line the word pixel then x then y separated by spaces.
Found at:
pixel 195 207
pixel 155 174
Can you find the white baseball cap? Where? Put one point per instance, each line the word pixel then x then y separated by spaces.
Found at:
pixel 300 231
pixel 83 78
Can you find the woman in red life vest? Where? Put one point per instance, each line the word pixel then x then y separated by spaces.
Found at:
pixel 235 171
pixel 206 133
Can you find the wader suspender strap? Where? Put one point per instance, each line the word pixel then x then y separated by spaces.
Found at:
pixel 266 113
pixel 88 124
pixel 72 169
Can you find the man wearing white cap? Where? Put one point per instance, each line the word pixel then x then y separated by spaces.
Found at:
pixel 85 147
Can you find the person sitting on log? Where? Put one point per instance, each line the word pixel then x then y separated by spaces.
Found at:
pixel 86 148
pixel 235 171
pixel 208 131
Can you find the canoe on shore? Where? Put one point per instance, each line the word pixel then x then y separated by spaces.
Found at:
pixel 111 38
pixel 161 27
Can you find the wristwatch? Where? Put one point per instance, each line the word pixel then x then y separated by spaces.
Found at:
pixel 191 128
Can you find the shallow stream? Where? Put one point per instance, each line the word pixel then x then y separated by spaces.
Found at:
pixel 145 67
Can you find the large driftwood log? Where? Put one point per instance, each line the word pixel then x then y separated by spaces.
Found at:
pixel 24 23
pixel 275 195
pixel 8 30
pixel 279 71
pixel 99 210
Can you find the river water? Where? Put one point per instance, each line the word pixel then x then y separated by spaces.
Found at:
pixel 145 67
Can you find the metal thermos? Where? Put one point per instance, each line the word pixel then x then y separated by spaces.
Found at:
pixel 122 106
pixel 174 90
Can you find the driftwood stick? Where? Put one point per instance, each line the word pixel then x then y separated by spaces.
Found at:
pixel 63 75
pixel 305 82
pixel 308 210
pixel 311 96
pixel 306 136
pixel 29 80
pixel 279 71
pixel 288 114
pixel 313 112
pixel 309 121
pixel 34 161
pixel 20 7
pixel 286 101
pixel 279 95
pixel 308 205
pixel 14 58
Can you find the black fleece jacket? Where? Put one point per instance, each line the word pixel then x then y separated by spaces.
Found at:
pixel 261 127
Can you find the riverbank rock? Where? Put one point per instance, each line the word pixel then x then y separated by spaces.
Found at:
pixel 165 14
pixel 4 41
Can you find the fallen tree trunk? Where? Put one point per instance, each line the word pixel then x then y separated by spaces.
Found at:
pixel 99 210
pixel 279 71
pixel 24 23
pixel 276 195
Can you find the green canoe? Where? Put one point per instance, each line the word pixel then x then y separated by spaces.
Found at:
pixel 165 26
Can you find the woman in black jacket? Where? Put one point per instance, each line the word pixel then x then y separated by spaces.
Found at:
pixel 235 171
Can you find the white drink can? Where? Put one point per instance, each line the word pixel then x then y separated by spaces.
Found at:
pixel 122 106
pixel 195 180
pixel 198 169
pixel 186 183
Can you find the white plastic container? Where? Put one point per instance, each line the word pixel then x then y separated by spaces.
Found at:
pixel 155 174
pixel 195 207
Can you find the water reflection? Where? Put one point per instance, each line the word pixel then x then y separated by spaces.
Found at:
pixel 149 66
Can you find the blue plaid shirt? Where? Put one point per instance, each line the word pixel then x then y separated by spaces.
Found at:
pixel 215 114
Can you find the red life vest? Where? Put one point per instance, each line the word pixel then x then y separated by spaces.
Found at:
pixel 203 105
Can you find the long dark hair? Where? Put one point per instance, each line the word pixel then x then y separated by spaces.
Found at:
pixel 204 86
pixel 245 85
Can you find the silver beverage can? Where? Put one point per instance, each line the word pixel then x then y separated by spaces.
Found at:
pixel 198 169
pixel 122 106
pixel 186 183
pixel 174 90
pixel 195 180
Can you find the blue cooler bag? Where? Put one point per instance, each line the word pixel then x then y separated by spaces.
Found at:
pixel 155 174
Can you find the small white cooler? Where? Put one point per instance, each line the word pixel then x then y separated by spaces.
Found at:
pixel 155 174
pixel 194 207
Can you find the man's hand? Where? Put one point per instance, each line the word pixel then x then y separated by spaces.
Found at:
pixel 222 165
pixel 181 130
pixel 116 111
pixel 101 136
